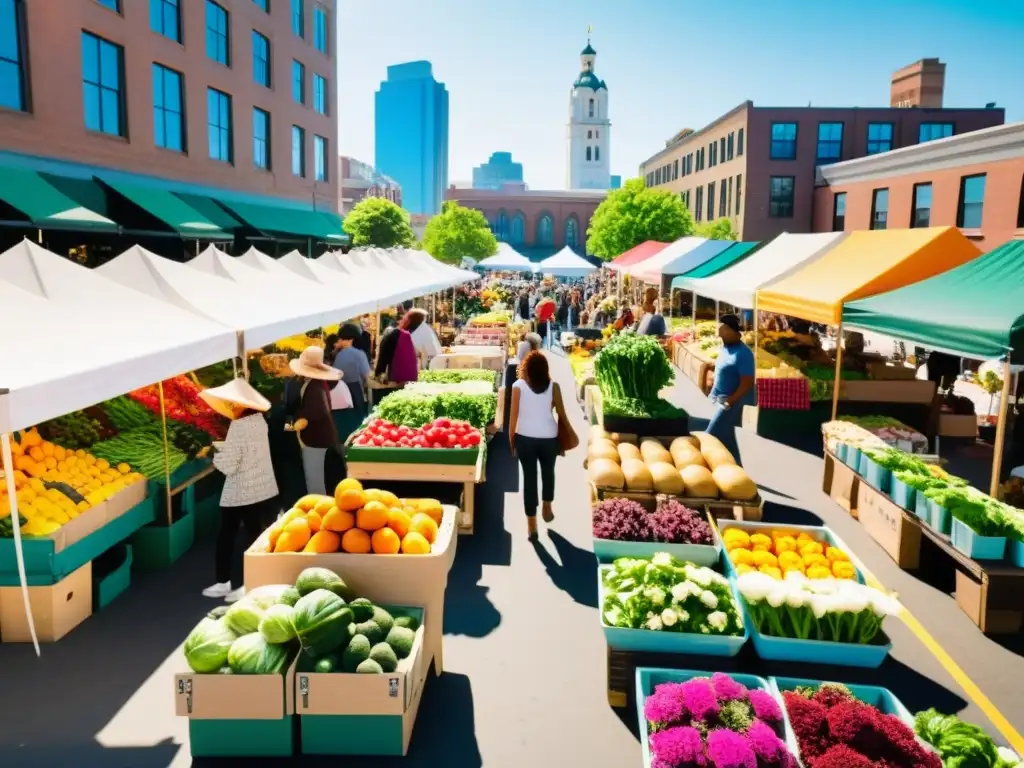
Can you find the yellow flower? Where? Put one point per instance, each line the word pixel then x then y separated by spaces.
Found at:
pixel 789 560
pixel 811 548
pixel 760 540
pixel 785 544
pixel 741 556
pixel 810 560
pixel 763 557
pixel 731 544
pixel 843 569
pixel 802 537
pixel 736 534
pixel 771 571
pixel 818 572
pixel 835 554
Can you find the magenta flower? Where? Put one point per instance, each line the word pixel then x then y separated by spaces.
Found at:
pixel 727 749
pixel 728 689
pixel 665 705
pixel 699 698
pixel 765 707
pixel 678 747
pixel 769 748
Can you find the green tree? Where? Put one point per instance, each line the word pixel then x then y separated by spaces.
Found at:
pixel 457 232
pixel 377 222
pixel 634 214
pixel 719 229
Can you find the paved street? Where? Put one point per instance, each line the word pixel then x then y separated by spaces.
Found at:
pixel 525 658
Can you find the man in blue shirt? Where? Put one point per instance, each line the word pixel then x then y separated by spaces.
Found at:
pixel 734 384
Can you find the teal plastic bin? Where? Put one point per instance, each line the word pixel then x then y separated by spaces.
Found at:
pixel 903 495
pixel 877 476
pixel 975 546
pixel 820 651
pixel 107 587
pixel 840 451
pixel 607 550
pixel 862 464
pixel 939 518
pixel 921 507
pixel 159 545
pixel 1017 553
pixel 819 533
pixel 853 458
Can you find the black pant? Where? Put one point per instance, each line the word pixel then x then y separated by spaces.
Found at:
pixel 253 518
pixel 531 451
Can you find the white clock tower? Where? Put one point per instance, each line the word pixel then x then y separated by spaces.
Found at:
pixel 589 130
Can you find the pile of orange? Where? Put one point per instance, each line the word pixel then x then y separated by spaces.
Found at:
pixel 357 521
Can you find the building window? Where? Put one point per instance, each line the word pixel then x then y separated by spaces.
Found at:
pixel 728 204
pixel 721 150
pixel 165 18
pixel 261 138
pixel 739 192
pixel 597 154
pixel 879 209
pixel 518 232
pixel 299 18
pixel 298 151
pixel 675 169
pixel 320 94
pixel 264 5
pixel 571 232
pixel 500 228
pixel 319 158
pixel 260 59
pixel 739 143
pixel 545 230
pixel 972 200
pixel 658 172
pixel 591 108
pixel 932 131
pixel 732 136
pixel 711 201
pixel 13 83
pixel 830 143
pixel 103 85
pixel 218 107
pixel 114 5
pixel 217 34
pixel 713 154
pixel 879 138
pixel 590 134
pixel 168 111
pixel 839 212
pixel 721 199
pixel 780 197
pixel 320 28
pixel 597 134
pixel 783 141
pixel 700 204
pixel 299 81
pixel 921 215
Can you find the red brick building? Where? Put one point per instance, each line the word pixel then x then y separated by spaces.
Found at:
pixel 974 181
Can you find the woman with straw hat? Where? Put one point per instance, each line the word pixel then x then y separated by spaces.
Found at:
pixel 314 421
pixel 249 497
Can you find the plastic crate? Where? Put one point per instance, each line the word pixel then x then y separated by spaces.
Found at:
pixel 939 518
pixel 903 495
pixel 974 545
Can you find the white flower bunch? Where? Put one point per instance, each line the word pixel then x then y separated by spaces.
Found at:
pixel 836 610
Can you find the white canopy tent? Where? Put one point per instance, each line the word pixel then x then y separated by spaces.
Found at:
pixel 566 263
pixel 507 259
pixel 649 270
pixel 738 284
pixel 429 262
pixel 358 267
pixel 369 292
pixel 429 277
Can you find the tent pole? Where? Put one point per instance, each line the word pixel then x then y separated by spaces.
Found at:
pixel 242 356
pixel 839 368
pixel 693 317
pixel 19 554
pixel 997 458
pixel 167 454
pixel 717 309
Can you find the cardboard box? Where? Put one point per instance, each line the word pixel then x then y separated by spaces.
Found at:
pixel 353 714
pixel 56 609
pixel 890 525
pixel 914 391
pixel 98 516
pixel 958 425
pixel 883 371
pixel 841 483
pixel 996 602
pixel 237 715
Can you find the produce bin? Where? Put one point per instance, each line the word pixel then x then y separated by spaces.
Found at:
pixel 840 449
pixel 939 518
pixel 1017 553
pixel 903 495
pixel 353 714
pixel 819 533
pixel 606 550
pixel 921 508
pixel 56 609
pixel 648 678
pixel 819 651
pixel 974 545
pixel 446 456
pixel 877 476
pixel 203 497
pixel 654 641
pixel 108 586
pixel 159 545
pixel 188 470
pixel 852 459
pixel 641 427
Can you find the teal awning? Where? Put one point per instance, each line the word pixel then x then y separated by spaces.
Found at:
pixel 46 206
pixel 209 208
pixel 171 210
pixel 303 223
pixel 723 260
pixel 974 310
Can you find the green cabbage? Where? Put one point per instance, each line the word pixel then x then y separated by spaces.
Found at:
pixel 321 578
pixel 268 595
pixel 276 625
pixel 252 655
pixel 243 617
pixel 321 622
pixel 206 647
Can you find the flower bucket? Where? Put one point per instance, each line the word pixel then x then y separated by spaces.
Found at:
pixel 921 507
pixel 648 678
pixel 878 477
pixel 976 546
pixel 606 550
pixel 939 518
pixel 654 641
pixel 819 651
pixel 1017 553
pixel 819 533
pixel 903 495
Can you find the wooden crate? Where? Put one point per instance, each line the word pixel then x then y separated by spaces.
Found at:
pixel 622 665
pixel 718 508
pixel 841 483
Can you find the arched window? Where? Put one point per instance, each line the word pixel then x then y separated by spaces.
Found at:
pixel 517 236
pixel 597 154
pixel 501 225
pixel 572 229
pixel 545 230
pixel 588 154
pixel 591 108
pixel 590 134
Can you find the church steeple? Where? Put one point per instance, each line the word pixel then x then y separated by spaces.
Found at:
pixel 587 78
pixel 587 57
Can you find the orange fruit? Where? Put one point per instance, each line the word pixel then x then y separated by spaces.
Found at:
pixel 415 544
pixel 398 521
pixel 292 514
pixel 349 499
pixel 309 501
pixel 355 541
pixel 431 507
pixel 373 516
pixel 385 542
pixel 323 542
pixel 324 506
pixel 47 449
pixel 338 521
pixel 313 520
pixel 36 453
pixel 348 484
pixel 423 524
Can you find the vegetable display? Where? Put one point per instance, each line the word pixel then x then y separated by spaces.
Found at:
pixel 836 730
pixel 357 521
pixel 664 594
pixel 124 413
pixel 458 376
pixel 441 433
pixel 670 523
pixel 632 367
pixel 412 409
pixel 73 430
pixel 143 448
pixel 182 403
pixel 715 722
pixel 834 610
pixel 891 431
pixel 778 552
pixel 960 744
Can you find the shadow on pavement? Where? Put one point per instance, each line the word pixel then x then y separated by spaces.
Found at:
pixel 93 755
pixel 575 574
pixel 784 514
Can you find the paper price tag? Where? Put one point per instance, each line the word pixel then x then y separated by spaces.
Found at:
pixel 393 687
pixel 304 690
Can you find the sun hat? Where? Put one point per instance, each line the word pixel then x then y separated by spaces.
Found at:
pixel 311 365
pixel 237 392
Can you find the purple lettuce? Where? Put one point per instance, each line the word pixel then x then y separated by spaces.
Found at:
pixel 621 520
pixel 765 707
pixel 673 523
pixel 677 747
pixel 728 749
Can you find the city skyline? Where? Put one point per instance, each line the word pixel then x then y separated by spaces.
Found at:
pixel 511 97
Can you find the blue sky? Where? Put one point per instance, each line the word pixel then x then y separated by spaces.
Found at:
pixel 669 64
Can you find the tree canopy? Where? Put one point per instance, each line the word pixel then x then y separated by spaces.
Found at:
pixel 634 214
pixel 458 232
pixel 719 229
pixel 378 222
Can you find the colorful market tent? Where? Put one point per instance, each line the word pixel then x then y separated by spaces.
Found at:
pixel 737 284
pixel 649 270
pixel 734 253
pixel 636 254
pixel 686 262
pixel 507 259
pixel 866 263
pixel 566 263
pixel 974 310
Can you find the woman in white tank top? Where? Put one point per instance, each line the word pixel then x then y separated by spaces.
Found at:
pixel 533 434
